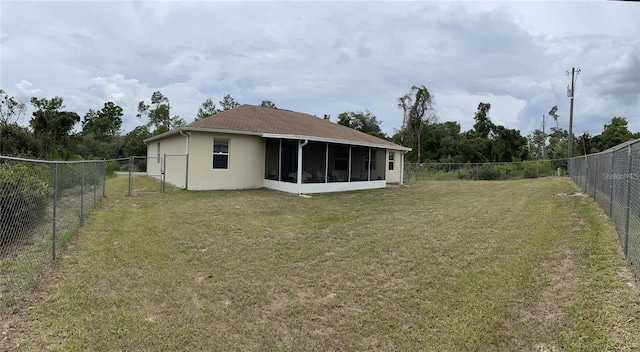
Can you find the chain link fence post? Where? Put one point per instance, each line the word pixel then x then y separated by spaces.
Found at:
pixel 627 206
pixel 94 183
pixel 82 196
pixel 613 154
pixel 55 195
pixel 595 179
pixel 130 175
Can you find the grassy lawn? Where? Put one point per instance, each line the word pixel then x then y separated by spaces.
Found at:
pixel 522 265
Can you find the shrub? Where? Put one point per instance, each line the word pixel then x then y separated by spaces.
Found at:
pixel 112 167
pixel 490 172
pixel 23 200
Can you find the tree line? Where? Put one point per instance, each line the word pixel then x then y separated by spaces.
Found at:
pixel 50 133
pixel 445 142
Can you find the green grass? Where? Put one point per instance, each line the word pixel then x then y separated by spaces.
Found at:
pixel 446 266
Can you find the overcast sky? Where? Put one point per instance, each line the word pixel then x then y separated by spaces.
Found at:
pixel 330 57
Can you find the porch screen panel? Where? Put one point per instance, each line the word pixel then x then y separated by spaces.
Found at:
pixel 289 161
pixel 378 161
pixel 359 163
pixel 314 156
pixel 338 168
pixel 272 160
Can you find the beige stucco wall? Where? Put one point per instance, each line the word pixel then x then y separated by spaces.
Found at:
pixel 246 162
pixel 175 147
pixel 393 176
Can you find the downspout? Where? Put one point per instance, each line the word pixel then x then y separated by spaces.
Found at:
pixel 186 162
pixel 402 168
pixel 299 180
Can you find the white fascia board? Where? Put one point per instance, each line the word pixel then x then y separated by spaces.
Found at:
pixel 334 141
pixel 191 129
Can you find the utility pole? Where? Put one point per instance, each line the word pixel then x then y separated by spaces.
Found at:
pixel 570 94
pixel 544 136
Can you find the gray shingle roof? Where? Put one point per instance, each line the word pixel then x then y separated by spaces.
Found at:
pixel 261 120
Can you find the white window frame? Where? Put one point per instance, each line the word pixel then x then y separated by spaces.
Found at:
pixel 220 153
pixel 392 160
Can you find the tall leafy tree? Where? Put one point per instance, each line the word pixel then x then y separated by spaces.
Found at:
pixel 537 144
pixel 15 140
pixel 614 133
pixel 134 141
pixel 558 143
pixel 101 133
pixel 483 126
pixel 362 121
pixel 554 114
pixel 52 126
pixel 104 124
pixel 11 110
pixel 158 114
pixel 584 144
pixel 417 107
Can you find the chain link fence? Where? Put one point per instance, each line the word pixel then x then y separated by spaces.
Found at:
pixel 42 206
pixel 484 171
pixel 171 169
pixel 612 178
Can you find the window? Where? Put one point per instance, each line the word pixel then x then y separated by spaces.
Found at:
pixel 220 153
pixel 158 157
pixel 392 159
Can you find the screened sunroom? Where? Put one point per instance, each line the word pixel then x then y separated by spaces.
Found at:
pixel 317 166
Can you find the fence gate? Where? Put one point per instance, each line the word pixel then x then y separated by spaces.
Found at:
pixel 144 175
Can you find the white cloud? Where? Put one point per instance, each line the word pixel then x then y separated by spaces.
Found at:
pixel 24 87
pixel 326 58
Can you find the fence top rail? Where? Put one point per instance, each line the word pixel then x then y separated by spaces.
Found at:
pixel 628 144
pixel 489 163
pixel 2 157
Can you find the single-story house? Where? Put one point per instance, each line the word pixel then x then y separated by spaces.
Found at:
pixel 254 147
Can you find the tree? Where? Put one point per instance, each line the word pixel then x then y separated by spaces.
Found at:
pixel 134 141
pixel 101 133
pixel 509 145
pixel 558 143
pixel 554 114
pixel 362 121
pixel 158 114
pixel 537 144
pixel 14 139
pixel 614 133
pixel 52 126
pixel 584 144
pixel 268 104
pixel 483 126
pixel 104 124
pixel 207 109
pixel 228 103
pixel 417 106
pixel 11 110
